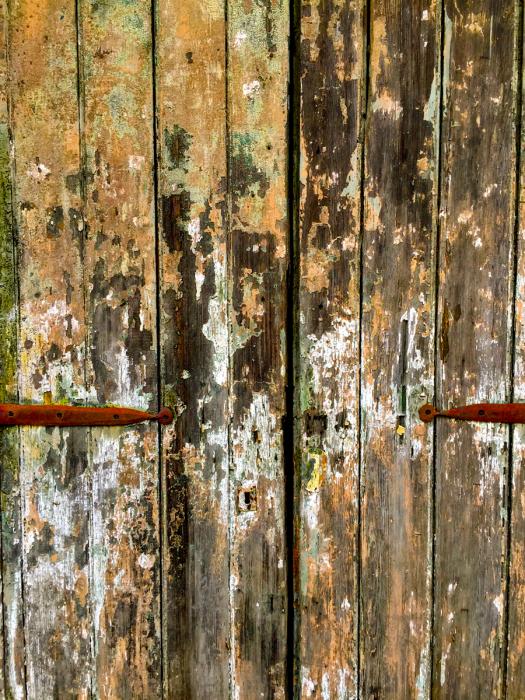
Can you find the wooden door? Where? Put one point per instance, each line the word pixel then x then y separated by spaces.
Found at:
pixel 294 223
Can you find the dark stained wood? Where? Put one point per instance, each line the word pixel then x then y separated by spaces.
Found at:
pixel 116 83
pixel 397 347
pixel 515 671
pixel 258 258
pixel 55 483
pixel 474 296
pixel 332 60
pixel 192 181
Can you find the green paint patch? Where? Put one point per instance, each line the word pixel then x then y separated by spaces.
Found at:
pixel 246 177
pixel 8 330
pixel 121 104
pixel 177 143
pixel 170 397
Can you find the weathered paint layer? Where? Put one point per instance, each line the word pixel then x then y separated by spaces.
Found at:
pixel 116 82
pixel 327 389
pixel 398 273
pixel 54 480
pixel 12 644
pixel 474 295
pixel 258 258
pixel 191 134
pixel 515 671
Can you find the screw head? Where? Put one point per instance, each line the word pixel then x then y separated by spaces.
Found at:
pixel 165 416
pixel 427 413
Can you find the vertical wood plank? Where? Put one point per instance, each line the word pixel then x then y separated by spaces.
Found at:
pixel 332 45
pixel 515 680
pixel 397 347
pixel 55 484
pixel 475 276
pixel 191 124
pixel 6 275
pixel 117 92
pixel 258 235
pixel 11 645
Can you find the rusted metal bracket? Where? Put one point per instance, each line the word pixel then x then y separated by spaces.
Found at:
pixel 67 416
pixel 479 412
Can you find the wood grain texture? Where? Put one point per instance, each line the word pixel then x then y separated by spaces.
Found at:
pixel 475 276
pixel 258 258
pixel 332 44
pixel 7 275
pixel 144 165
pixel 515 671
pixel 54 478
pixel 398 273
pixel 12 680
pixel 118 141
pixel 191 125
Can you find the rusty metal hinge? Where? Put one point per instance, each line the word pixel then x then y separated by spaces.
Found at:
pixel 67 416
pixel 479 412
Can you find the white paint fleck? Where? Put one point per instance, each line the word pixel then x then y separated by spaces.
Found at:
pixel 240 38
pixel 353 179
pixel 194 232
pixel 146 561
pixel 136 162
pixel 325 686
pixel 430 111
pixel 216 328
pixel 125 393
pixel 490 189
pixel 422 676
pixel 342 688
pixel 498 603
pixel 199 281
pixel 251 89
pixel 308 686
pixel 386 104
pixel 38 171
pixel 465 216
pixel 443 666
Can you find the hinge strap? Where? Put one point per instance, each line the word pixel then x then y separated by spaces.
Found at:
pixel 479 412
pixel 68 416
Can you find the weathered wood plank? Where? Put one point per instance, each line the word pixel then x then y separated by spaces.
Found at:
pixel 54 481
pixel 191 119
pixel 332 63
pixel 11 645
pixel 515 679
pixel 7 289
pixel 475 279
pixel 397 347
pixel 117 98
pixel 258 236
